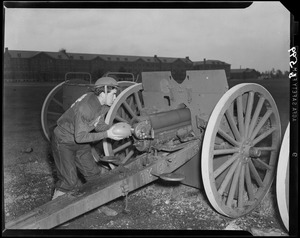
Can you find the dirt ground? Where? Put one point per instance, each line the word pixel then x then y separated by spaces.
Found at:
pixel 29 175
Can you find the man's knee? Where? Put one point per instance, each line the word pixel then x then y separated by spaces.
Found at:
pixel 87 165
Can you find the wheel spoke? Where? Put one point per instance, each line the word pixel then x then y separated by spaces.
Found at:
pixel 241 187
pixel 54 113
pixel 122 111
pixel 234 184
pixel 121 119
pixel 263 135
pixel 128 156
pixel 226 151
pixel 233 126
pixel 261 123
pixel 240 115
pixel 228 138
pixel 58 102
pixel 256 114
pixel 130 101
pixel 128 108
pixel 224 166
pixel 51 125
pixel 228 177
pixel 248 111
pixel 122 147
pixel 255 174
pixel 265 148
pixel 138 101
pixel 249 184
pixel 266 166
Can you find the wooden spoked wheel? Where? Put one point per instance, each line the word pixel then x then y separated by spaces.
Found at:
pixel 240 149
pixel 126 108
pixel 52 109
pixel 283 177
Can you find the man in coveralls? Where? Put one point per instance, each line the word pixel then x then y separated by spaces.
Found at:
pixel 82 124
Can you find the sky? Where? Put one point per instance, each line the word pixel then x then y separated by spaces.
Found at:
pixel 255 37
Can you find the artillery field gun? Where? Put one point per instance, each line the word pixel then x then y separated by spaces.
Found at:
pixel 199 133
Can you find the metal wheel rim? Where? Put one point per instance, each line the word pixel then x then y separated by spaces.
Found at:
pixel 111 115
pixel 282 179
pixel 236 170
pixel 125 83
pixel 44 112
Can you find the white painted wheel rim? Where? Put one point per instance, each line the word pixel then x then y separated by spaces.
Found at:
pixel 209 139
pixel 112 112
pixel 282 179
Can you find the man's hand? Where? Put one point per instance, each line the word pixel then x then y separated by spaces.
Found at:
pixel 119 131
pixel 112 136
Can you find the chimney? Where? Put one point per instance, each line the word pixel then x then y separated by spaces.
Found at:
pixel 6 49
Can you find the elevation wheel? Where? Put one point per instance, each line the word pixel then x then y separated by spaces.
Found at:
pixel 283 177
pixel 126 108
pixel 240 149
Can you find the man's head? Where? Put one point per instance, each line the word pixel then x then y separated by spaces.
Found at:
pixel 106 89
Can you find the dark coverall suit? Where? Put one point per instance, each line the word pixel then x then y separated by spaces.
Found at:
pixel 71 140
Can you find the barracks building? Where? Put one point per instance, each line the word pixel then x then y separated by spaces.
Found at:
pixel 20 65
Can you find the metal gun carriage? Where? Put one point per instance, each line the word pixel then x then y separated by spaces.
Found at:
pixel 199 132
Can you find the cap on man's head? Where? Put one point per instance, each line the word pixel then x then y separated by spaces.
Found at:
pixel 108 81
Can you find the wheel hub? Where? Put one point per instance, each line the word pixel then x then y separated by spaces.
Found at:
pixel 247 150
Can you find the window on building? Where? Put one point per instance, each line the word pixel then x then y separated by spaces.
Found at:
pixel 81 57
pixel 19 55
pixel 126 59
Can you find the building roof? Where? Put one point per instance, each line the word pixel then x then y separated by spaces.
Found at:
pixel 122 58
pixel 149 59
pixel 22 53
pixel 241 70
pixel 212 62
pixel 106 57
pixel 56 55
pixel 79 56
pixel 30 54
pixel 173 59
pixel 85 56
